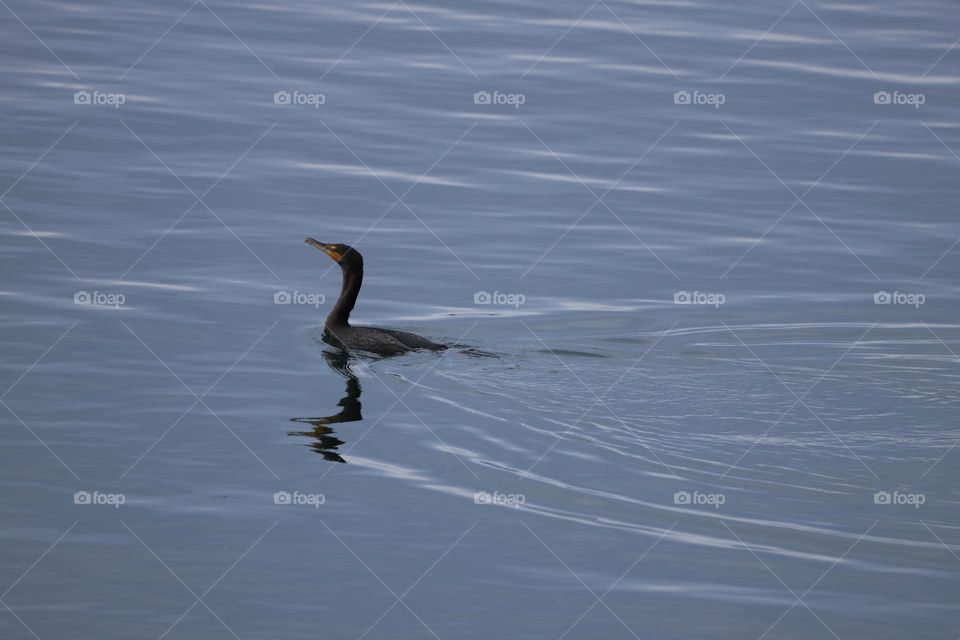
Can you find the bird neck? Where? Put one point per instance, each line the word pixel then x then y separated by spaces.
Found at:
pixel 340 314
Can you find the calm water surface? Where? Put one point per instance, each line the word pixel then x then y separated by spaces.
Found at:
pixel 182 457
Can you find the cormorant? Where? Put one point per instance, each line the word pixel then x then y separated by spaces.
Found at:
pixel 341 333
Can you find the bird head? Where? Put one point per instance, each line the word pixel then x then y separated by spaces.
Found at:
pixel 342 254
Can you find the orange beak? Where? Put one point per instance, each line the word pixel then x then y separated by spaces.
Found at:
pixel 326 248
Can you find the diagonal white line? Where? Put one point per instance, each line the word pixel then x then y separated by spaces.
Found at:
pixel 220 620
pixel 940 540
pixel 17 181
pixel 799 399
pixel 639 39
pixel 563 235
pixel 157 41
pixel 840 40
pixel 440 240
pixel 40 440
pixel 199 200
pixel 840 159
pixel 402 395
pixel 37 561
pixel 40 40
pixel 957 241
pixel 39 239
pixel 237 361
pixel 598 399
pixel 639 160
pixel 799 199
pixel 557 41
pixel 159 159
pixel 160 439
pixel 240 440
pixel 839 439
pixel 937 461
pixel 240 240
pixel 159 359
pixel 938 60
pixel 599 200
pixel 157 241
pixel 239 39
pixel 619 619
pixel 439 159
pixel 642 556
pixel 399 199
pixel 439 39
pixel 598 599
pixel 37 361
pixel 560 560
pixel 425 425
pixel 198 599
pixel 178 620
pixel 760 239
pixel 603 395
pixel 559 159
pixel 940 340
pixel 420 620
pixel 765 33
pixel 359 159
pixel 360 560
pixel 639 239
pixel 383 615
pixel 199 399
pixel 20 620
pixel 399 599
pixel 160 560
pixel 840 559
pixel 240 559
pixel 759 159
pixel 797 599
pixel 840 240
pixel 437 561
pixel 357 41
pixel 954 445
pixel 40 159
pixel 803 395
pixel 800 598
pixel 616 582
pixel 239 159
pixel 942 256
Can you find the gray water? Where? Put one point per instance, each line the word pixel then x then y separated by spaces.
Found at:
pixel 182 457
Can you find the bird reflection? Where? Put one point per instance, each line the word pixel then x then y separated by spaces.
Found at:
pixel 325 441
